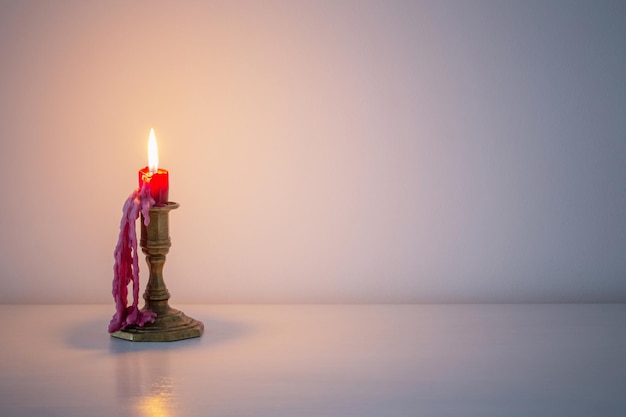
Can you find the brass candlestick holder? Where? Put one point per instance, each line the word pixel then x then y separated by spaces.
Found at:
pixel 170 324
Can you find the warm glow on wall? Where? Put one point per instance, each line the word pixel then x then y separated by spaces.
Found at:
pixel 321 151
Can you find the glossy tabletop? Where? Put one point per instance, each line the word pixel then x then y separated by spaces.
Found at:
pixel 321 360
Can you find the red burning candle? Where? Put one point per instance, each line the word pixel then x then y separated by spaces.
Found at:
pixel 157 177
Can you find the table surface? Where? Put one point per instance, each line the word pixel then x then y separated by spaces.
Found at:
pixel 321 360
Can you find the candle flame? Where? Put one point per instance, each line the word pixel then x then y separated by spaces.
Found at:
pixel 153 153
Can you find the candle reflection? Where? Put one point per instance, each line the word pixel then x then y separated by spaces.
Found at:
pixel 161 400
pixel 145 383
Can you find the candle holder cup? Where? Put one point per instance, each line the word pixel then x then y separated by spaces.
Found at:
pixel 170 324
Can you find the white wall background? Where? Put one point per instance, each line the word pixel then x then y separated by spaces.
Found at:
pixel 322 151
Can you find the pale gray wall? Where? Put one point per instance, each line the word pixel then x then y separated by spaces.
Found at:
pixel 340 151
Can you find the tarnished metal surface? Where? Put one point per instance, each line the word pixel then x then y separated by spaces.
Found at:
pixel 170 324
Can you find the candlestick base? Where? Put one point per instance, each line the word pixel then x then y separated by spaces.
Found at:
pixel 167 327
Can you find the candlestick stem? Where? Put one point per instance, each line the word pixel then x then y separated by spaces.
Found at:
pixel 170 324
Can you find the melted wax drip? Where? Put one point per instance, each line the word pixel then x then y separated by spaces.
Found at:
pixel 127 262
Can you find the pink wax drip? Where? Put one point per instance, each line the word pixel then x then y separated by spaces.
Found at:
pixel 127 262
